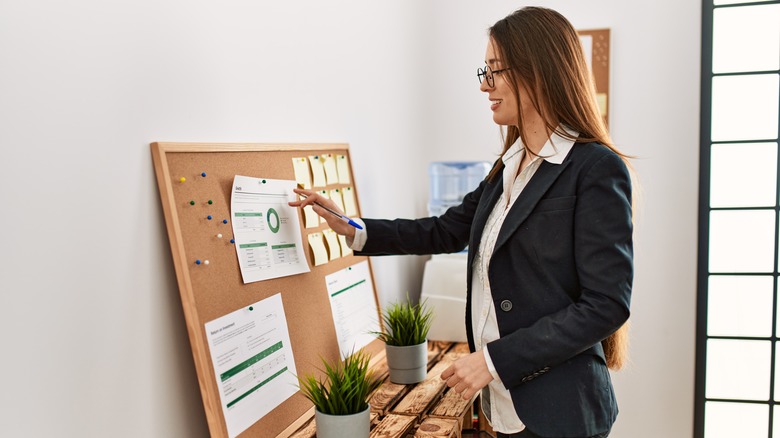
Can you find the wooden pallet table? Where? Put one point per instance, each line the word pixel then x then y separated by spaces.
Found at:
pixel 426 409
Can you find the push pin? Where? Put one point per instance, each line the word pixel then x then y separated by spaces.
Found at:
pixel 224 221
pixel 219 236
pixel 182 179
pixel 197 262
pixel 232 240
pixel 209 217
pixel 203 174
pixel 210 202
pixel 192 202
pixel 251 308
pixel 205 262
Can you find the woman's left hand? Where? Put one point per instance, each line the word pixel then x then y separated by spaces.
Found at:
pixel 468 375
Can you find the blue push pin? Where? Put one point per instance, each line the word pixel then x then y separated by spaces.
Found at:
pixel 232 240
pixel 203 174
pixel 197 262
pixel 224 221
pixel 209 217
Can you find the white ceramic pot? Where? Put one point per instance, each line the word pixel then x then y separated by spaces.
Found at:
pixel 407 364
pixel 341 426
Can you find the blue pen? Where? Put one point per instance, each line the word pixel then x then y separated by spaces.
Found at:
pixel 338 215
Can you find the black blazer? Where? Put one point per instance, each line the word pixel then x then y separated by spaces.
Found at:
pixel 560 276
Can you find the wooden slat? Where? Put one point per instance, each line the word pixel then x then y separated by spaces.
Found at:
pixel 244 147
pixel 426 392
pixel 460 348
pixel 435 350
pixel 309 430
pixel 394 426
pixel 380 368
pixel 438 428
pixel 452 405
pixel 467 422
pixel 386 396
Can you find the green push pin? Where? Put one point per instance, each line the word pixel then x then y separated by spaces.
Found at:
pixel 192 202
pixel 210 202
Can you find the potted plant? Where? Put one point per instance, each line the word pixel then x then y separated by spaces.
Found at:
pixel 341 399
pixel 405 335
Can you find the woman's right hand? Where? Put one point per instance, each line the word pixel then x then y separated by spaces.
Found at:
pixel 316 201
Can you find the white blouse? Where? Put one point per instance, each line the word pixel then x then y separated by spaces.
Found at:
pixel 496 399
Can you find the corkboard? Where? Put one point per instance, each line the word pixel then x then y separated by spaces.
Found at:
pixel 217 289
pixel 600 60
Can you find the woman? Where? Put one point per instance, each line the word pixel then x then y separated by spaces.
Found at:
pixel 549 234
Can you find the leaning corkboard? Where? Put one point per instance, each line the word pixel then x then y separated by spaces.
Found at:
pixel 209 291
pixel 596 43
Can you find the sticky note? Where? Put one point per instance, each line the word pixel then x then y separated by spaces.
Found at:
pixel 310 218
pixel 348 196
pixel 342 165
pixel 329 163
pixel 335 195
pixel 601 98
pixel 332 241
pixel 345 249
pixel 318 252
pixel 317 171
pixel 324 194
pixel 302 173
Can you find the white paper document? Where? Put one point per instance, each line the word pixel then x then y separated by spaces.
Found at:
pixel 355 314
pixel 266 229
pixel 253 362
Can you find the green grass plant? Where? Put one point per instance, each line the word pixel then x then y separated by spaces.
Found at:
pixel 345 388
pixel 406 324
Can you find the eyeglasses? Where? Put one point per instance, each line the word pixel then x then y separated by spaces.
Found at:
pixel 487 74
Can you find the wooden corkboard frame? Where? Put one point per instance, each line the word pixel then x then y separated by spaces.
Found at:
pixel 209 292
pixel 600 60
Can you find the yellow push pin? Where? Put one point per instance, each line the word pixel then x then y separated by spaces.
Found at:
pixel 182 179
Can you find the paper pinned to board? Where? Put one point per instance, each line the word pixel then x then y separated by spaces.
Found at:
pixel 253 362
pixel 352 301
pixel 317 171
pixel 266 229
pixel 342 165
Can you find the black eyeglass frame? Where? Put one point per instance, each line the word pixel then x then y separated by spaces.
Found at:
pixel 488 73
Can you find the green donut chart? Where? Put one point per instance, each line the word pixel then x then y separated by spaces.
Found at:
pixel 273 213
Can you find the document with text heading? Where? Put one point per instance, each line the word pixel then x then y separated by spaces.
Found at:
pixel 266 229
pixel 352 302
pixel 253 362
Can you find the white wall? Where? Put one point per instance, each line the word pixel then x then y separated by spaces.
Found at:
pixel 94 341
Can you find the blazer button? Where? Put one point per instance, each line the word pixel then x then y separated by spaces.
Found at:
pixel 506 305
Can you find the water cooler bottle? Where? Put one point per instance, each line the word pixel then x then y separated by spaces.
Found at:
pixel 444 278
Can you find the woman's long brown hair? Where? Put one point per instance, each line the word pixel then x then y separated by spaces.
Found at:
pixel 544 53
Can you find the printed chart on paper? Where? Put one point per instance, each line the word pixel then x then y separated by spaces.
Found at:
pixel 266 229
pixel 352 302
pixel 253 362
